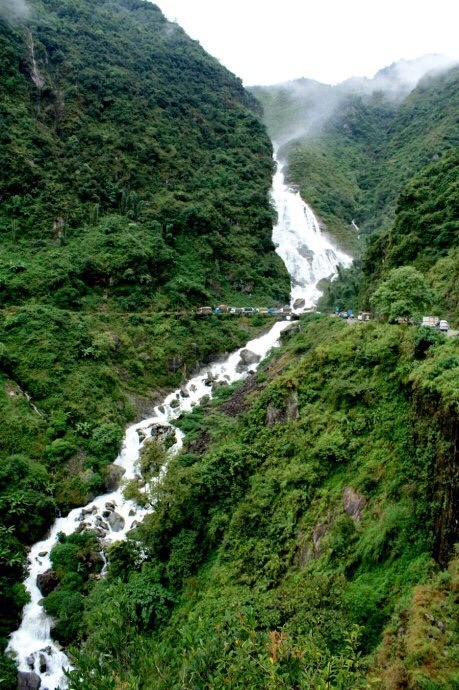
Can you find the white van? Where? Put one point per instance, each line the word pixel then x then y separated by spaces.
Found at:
pixel 443 326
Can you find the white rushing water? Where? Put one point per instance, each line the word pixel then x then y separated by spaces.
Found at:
pixel 308 256
pixel 307 253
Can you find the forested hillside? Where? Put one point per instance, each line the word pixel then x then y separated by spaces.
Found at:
pixel 299 538
pixel 351 149
pixel 134 185
pixel 382 159
pixel 122 138
pixel 304 536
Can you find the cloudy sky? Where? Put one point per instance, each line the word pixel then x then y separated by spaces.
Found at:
pixel 268 41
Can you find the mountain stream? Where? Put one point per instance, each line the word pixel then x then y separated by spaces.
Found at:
pixel 309 256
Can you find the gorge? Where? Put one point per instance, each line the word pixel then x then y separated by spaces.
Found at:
pixel 309 257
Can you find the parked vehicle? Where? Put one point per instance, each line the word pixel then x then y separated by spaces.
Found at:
pixel 250 310
pixel 443 326
pixel 431 321
pixel 204 310
pixel 271 310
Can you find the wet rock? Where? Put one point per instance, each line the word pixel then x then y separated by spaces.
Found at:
pixel 183 392
pixel 353 503
pixel 43 663
pixel 249 357
pixel 218 384
pixel 113 476
pixel 28 681
pixel 81 527
pixel 141 434
pixel 293 327
pixel 131 512
pixel 30 661
pixel 110 505
pixel 160 432
pixel 96 559
pixel 106 513
pixel 116 522
pixel 42 554
pixel 299 303
pixel 134 524
pixel 47 582
pixel 210 378
pixel 174 403
pixel 161 409
pixel 101 523
pixel 306 253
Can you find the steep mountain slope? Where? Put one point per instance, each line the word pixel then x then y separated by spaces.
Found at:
pixel 382 159
pixel 352 151
pixel 134 179
pixel 292 531
pixel 115 122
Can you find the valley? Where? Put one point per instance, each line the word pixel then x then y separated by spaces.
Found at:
pixel 234 499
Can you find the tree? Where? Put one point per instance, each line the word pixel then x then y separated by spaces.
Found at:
pixel 404 294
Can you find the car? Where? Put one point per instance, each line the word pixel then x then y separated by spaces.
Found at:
pixel 250 310
pixel 273 311
pixel 443 325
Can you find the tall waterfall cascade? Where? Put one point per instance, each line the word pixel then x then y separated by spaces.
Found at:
pixel 307 253
pixel 309 257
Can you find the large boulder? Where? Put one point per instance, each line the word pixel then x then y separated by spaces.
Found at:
pixel 113 476
pixel 249 357
pixel 116 521
pixel 47 582
pixel 28 681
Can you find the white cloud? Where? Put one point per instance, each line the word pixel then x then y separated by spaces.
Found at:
pixel 328 40
pixel 13 10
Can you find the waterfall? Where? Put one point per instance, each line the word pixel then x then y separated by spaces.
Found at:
pixel 307 253
pixel 308 256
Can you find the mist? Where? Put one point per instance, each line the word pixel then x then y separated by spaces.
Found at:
pixel 303 107
pixel 14 10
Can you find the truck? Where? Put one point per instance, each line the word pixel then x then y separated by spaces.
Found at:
pixel 431 321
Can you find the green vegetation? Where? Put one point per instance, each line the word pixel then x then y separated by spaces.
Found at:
pixel 132 163
pixel 302 536
pixel 289 533
pixel 135 179
pixel 353 151
pixel 403 295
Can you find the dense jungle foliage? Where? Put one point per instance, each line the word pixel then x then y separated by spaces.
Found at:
pixel 294 537
pixel 134 184
pixel 304 537
pixel 131 163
